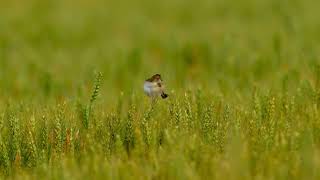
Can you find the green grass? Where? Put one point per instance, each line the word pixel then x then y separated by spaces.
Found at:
pixel 243 79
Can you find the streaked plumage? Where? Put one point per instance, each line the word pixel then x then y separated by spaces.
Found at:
pixel 153 87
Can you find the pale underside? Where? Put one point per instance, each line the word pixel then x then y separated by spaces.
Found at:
pixel 152 89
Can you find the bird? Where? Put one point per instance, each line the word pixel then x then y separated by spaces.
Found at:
pixel 153 87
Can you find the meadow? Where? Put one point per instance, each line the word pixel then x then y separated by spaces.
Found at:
pixel 243 79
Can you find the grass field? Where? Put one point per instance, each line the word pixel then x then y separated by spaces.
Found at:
pixel 243 79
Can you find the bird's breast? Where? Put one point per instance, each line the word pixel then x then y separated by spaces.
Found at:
pixel 151 88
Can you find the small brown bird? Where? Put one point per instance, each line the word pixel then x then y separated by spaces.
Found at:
pixel 154 87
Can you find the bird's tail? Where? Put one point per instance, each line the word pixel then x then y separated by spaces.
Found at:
pixel 164 95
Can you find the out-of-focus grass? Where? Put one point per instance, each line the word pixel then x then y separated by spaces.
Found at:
pixel 243 78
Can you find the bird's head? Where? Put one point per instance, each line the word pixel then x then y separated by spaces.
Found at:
pixel 156 77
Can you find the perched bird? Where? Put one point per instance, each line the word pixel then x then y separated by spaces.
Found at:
pixel 154 87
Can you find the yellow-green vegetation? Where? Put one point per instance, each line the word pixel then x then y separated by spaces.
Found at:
pixel 243 79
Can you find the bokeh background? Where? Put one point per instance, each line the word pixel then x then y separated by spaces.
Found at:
pixel 243 78
pixel 51 48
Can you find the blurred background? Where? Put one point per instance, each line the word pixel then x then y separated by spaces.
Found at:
pixel 50 49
